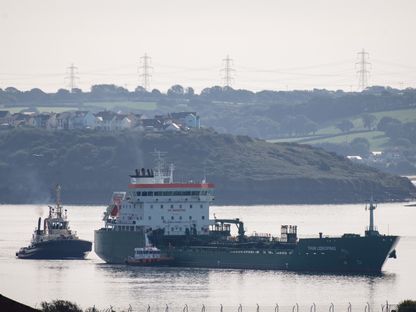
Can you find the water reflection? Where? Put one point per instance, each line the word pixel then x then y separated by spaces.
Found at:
pixel 90 282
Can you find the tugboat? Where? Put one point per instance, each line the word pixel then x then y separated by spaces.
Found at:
pixel 148 256
pixel 56 240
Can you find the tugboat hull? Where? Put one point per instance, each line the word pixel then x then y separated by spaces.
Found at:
pixel 56 249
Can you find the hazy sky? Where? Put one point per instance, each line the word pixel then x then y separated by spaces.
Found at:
pixel 279 45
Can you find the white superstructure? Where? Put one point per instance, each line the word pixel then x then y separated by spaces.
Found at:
pixel 153 201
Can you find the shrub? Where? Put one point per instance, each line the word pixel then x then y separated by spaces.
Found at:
pixel 60 306
pixel 407 306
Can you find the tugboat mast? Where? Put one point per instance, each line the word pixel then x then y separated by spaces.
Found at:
pixel 58 201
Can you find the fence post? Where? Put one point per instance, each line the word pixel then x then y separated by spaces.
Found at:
pixel 203 308
pixel 349 309
pixel 258 308
pixel 332 308
pixel 276 308
pixel 240 308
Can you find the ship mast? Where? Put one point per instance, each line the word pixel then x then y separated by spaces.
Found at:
pixel 371 228
pixel 58 201
pixel 160 174
pixel 371 208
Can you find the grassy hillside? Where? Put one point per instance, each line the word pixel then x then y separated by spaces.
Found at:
pixel 329 133
pixel 90 165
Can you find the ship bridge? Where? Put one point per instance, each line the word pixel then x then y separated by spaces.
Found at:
pixel 154 201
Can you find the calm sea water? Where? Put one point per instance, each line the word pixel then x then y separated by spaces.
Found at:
pixel 92 282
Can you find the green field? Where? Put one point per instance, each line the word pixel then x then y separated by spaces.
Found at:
pixel 124 104
pixel 42 109
pixel 127 105
pixel 376 138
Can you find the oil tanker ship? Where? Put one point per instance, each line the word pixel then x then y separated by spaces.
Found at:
pixel 175 217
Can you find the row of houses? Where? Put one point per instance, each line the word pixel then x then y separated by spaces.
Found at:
pixel 105 120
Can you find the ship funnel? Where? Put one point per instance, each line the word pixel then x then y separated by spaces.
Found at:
pixel 39 221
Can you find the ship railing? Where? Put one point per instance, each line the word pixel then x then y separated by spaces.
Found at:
pixel 341 307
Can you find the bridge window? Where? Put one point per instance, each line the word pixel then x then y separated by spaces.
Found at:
pixel 150 218
pixel 190 217
pixel 138 193
pixel 172 217
pixel 203 217
pixel 201 206
pixel 161 206
pixel 180 217
pixel 190 206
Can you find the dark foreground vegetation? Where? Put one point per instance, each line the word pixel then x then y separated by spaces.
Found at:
pixel 91 165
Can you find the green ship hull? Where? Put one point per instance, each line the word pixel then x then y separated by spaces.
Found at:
pixel 117 246
pixel 358 254
pixel 350 253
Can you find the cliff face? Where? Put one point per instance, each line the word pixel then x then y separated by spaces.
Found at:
pixel 91 165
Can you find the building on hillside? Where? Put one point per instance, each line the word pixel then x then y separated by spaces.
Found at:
pixel 5 118
pixel 52 122
pixel 355 158
pixel 151 124
pixel 82 120
pixel 105 119
pixel 63 121
pixel 20 119
pixel 41 120
pixel 121 122
pixel 172 127
pixel 187 119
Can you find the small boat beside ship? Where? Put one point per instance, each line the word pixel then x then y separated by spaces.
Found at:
pixel 148 255
pixel 56 240
pixel 175 216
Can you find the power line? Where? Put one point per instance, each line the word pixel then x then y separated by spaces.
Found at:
pixel 145 69
pixel 72 77
pixel 228 71
pixel 364 69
